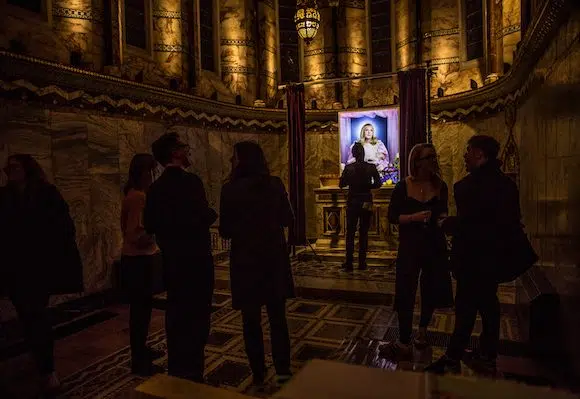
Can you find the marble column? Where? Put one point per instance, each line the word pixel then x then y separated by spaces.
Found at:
pixel 440 31
pixel 352 48
pixel 268 49
pixel 80 25
pixel 405 34
pixel 238 51
pixel 167 38
pixel 511 28
pixel 320 63
pixel 495 43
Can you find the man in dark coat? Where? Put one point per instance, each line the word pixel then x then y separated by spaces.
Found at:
pixel 488 217
pixel 360 177
pixel 178 214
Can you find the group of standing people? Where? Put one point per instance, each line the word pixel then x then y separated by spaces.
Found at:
pixel 489 246
pixel 168 220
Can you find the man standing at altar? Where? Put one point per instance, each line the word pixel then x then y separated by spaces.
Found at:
pixel 178 214
pixel 360 177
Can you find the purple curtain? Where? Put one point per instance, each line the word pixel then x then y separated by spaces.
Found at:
pixel 413 113
pixel 296 161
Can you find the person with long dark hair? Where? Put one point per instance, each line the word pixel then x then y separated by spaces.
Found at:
pixel 40 255
pixel 418 202
pixel 254 209
pixel 140 261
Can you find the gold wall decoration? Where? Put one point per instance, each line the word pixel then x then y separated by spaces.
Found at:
pixel 511 29
pixel 167 35
pixel 268 49
pixel 80 24
pixel 238 50
pixel 319 62
pixel 352 49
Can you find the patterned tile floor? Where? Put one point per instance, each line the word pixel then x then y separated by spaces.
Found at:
pixel 95 362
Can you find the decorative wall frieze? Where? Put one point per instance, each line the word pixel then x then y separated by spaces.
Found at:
pixel 169 48
pixel 352 50
pixel 237 42
pixel 406 41
pixel 442 32
pixel 507 30
pixel 238 69
pixel 443 61
pixel 88 14
pixel 168 14
pixel 57 85
pixel 318 51
pixel 320 76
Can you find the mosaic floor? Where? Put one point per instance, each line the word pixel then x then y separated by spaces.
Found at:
pixel 330 328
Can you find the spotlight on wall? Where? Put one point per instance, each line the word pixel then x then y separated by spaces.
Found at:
pixel 76 58
pixel 314 104
pixel 360 103
pixel 473 84
pixel 440 92
pixel 238 99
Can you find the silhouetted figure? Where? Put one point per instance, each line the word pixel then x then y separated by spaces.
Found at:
pixel 40 255
pixel 140 260
pixel 360 177
pixel 177 212
pixel 488 216
pixel 254 209
pixel 417 203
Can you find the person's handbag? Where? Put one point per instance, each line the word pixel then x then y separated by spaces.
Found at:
pixel 516 256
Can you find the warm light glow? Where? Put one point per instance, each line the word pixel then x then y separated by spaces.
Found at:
pixel 307 19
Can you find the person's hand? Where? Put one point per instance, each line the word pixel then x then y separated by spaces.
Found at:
pixel 421 217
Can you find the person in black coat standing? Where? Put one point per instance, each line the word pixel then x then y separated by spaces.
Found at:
pixel 360 177
pixel 178 214
pixel 40 255
pixel 254 209
pixel 488 218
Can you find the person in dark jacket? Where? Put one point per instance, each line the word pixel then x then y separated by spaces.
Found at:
pixel 40 255
pixel 417 203
pixel 488 216
pixel 178 214
pixel 254 209
pixel 360 177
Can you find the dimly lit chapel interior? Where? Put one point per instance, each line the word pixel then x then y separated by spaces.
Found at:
pixel 323 172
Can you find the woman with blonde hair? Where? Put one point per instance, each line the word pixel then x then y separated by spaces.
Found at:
pixel 375 150
pixel 418 202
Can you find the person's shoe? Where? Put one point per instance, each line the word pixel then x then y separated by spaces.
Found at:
pixel 444 365
pixel 146 370
pixel 420 340
pixel 347 267
pixel 282 379
pixel 396 351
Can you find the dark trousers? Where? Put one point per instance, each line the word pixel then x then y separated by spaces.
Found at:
pixel 405 318
pixel 32 312
pixel 139 272
pixel 254 340
pixel 475 295
pixel 190 282
pixel 355 214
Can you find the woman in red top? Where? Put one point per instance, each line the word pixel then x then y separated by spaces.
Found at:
pixel 140 260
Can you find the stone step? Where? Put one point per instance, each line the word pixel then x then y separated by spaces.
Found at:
pixel 375 259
